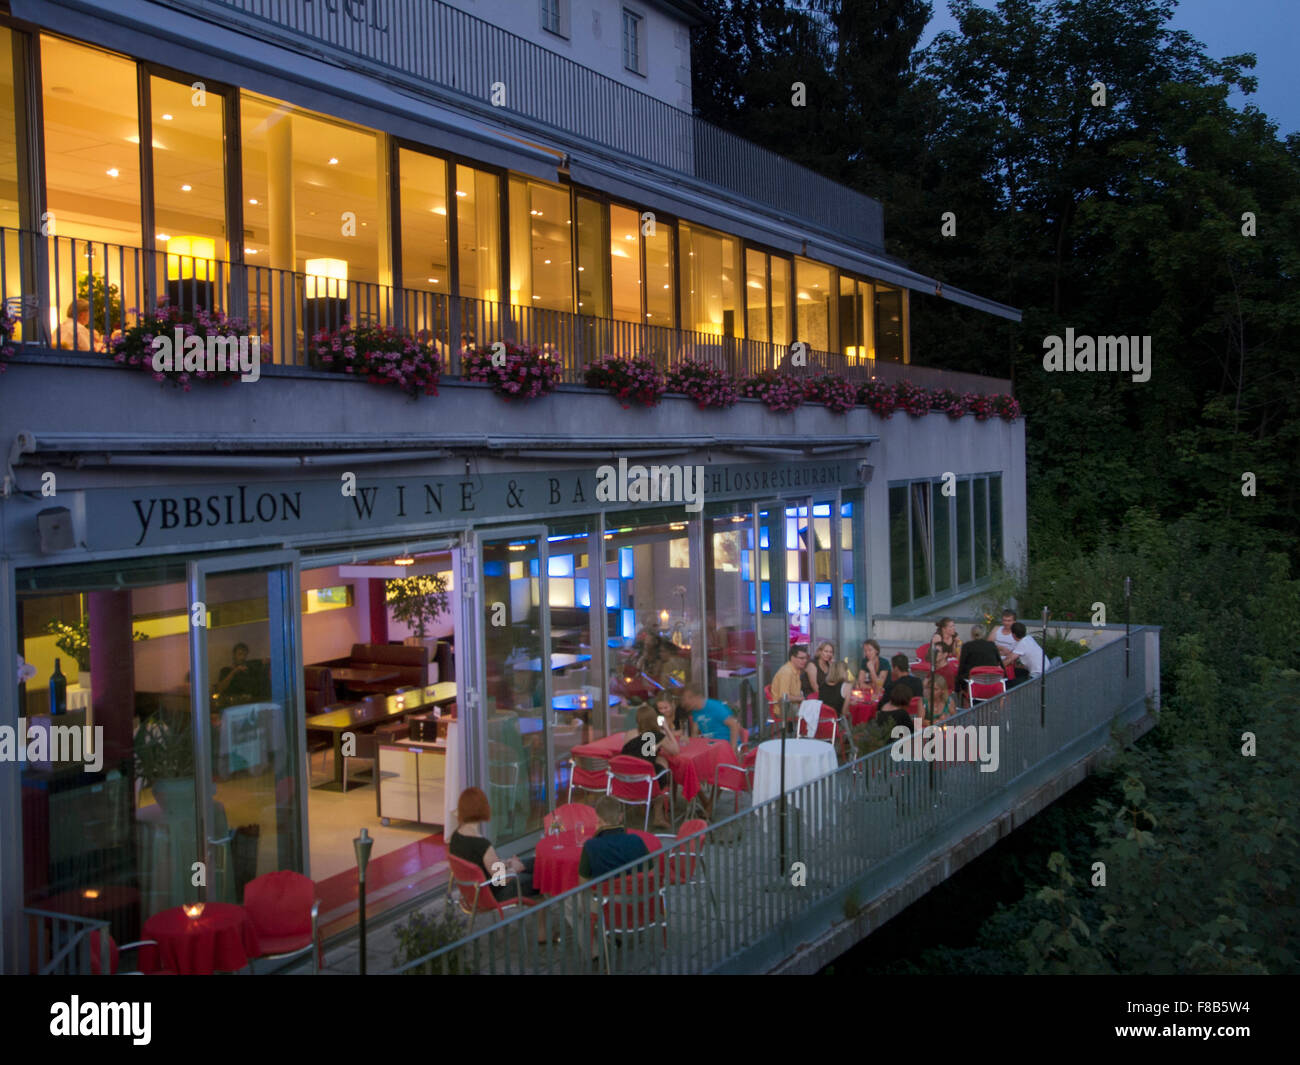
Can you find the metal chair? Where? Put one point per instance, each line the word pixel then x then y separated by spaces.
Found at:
pixel 503 778
pixel 985 683
pixel 285 914
pixel 633 782
pixel 595 781
pixel 474 895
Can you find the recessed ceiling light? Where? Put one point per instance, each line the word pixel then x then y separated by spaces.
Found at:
pixel 537 297
pixel 112 171
pixel 186 188
pixel 333 161
pixel 461 193
pixel 166 118
pixel 250 251
pixel 164 236
pixel 546 262
pixel 405 560
pixel 581 269
pixel 253 202
pixel 438 210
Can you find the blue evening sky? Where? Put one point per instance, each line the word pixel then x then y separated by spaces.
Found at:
pixel 1269 28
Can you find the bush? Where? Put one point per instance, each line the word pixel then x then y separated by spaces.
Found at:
pixel 134 346
pixel 913 399
pixel 780 391
pixel 878 397
pixel 521 372
pixel 425 933
pixel 832 391
pixel 704 383
pixel 636 378
pixel 381 354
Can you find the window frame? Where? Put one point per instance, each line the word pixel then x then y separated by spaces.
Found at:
pixel 634 21
pixel 559 26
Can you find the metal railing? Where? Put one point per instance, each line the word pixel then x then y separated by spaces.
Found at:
pixel 60 944
pixel 856 832
pixel 433 42
pixel 43 278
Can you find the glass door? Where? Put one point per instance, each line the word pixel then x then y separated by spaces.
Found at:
pixel 773 625
pixel 514 619
pixel 248 730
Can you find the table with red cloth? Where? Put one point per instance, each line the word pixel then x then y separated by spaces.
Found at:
pixel 220 939
pixel 695 765
pixel 862 708
pixel 556 859
pixel 600 750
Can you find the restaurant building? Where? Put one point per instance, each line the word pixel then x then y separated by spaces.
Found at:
pixel 465 174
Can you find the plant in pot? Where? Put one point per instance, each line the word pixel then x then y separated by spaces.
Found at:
pixel 417 601
pixel 74 641
pixel 164 760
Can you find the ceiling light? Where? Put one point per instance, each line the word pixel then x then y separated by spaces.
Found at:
pixel 438 210
pixel 581 268
pixel 250 251
pixel 186 188
pixel 163 236
pixel 333 161
pixel 405 560
pixel 546 262
pixel 461 193
pixel 166 118
pixel 253 202
pixel 112 171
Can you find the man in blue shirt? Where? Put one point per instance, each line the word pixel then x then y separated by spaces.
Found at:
pixel 613 846
pixel 714 718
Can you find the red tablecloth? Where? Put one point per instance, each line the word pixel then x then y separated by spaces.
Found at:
pixel 602 750
pixel 221 939
pixel 862 709
pixel 697 763
pixel 555 861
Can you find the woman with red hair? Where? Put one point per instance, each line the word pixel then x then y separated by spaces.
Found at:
pixel 469 844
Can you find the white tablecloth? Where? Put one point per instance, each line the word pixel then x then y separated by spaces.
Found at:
pixel 805 760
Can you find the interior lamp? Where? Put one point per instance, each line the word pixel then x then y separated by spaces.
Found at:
pixel 327 277
pixel 191 258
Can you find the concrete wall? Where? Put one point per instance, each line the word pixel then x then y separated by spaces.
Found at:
pixel 595 40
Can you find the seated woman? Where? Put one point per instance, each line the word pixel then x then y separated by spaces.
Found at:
pixel 945 647
pixel 469 844
pixel 873 673
pixel 639 740
pixel 829 676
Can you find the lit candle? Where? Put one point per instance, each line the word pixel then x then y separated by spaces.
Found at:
pixel 193 909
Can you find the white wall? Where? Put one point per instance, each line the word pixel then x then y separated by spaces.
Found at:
pixel 596 40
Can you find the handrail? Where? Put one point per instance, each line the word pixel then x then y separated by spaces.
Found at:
pixel 69 947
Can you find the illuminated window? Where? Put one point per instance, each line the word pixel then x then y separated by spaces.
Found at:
pixel 541 262
pixel 710 272
pixel 815 303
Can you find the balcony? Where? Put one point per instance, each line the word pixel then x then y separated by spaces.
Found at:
pixel 441 51
pixel 40 277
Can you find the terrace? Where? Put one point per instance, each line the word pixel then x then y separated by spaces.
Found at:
pixel 41 276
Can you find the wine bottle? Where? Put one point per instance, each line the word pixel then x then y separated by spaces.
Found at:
pixel 58 691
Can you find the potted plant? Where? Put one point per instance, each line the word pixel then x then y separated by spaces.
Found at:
pixel 74 641
pixel 417 601
pixel 164 761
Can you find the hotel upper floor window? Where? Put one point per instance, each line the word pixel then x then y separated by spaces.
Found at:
pixel 710 273
pixel 815 304
pixel 541 252
pixel 555 16
pixel 891 323
pixel 767 297
pixel 633 42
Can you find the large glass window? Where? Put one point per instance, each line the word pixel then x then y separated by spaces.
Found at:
pixel 478 221
pixel 942 511
pixel 815 302
pixel 710 273
pixel 625 262
pixel 780 300
pixel 10 218
pixel 981 486
pixel 921 542
pixel 756 296
pixel 541 260
pixel 900 587
pixel 659 290
pixel 423 181
pixel 995 518
pixel 853 563
pixel 731 609
pixel 593 277
pixel 963 532
pixel 889 324
pixel 189 191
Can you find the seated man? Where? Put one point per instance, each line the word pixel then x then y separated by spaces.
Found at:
pixel 613 846
pixel 712 717
pixel 978 652
pixel 900 673
pixel 1026 656
pixel 791 681
pixel 1002 637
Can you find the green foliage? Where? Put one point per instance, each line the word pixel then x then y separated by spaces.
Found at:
pixel 74 640
pixel 417 601
pixel 105 303
pixel 426 932
pixel 164 748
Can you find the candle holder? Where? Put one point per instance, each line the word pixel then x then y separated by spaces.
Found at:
pixel 193 910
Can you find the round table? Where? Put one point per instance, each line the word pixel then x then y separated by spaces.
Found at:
pixel 861 708
pixel 220 939
pixel 556 859
pixel 805 760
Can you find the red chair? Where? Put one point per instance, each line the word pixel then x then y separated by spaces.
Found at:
pixel 682 861
pixel 285 914
pixel 984 683
pixel 827 724
pixel 631 903
pixel 736 779
pixel 475 895
pixel 570 815
pixel 595 781
pixel 633 782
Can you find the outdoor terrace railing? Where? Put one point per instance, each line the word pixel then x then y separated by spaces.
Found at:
pixel 856 833
pixel 60 944
pixel 433 42
pixel 41 278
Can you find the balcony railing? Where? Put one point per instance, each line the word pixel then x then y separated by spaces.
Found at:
pixel 431 42
pixel 742 905
pixel 41 278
